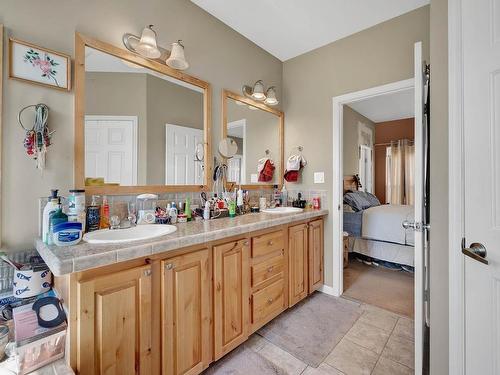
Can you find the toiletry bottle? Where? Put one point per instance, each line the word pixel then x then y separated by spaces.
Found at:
pixel 206 211
pixel 276 196
pixel 187 209
pixel 173 213
pixel 239 198
pixel 104 213
pixel 57 217
pixel 93 215
pixel 49 208
pixel 284 196
pixel 232 208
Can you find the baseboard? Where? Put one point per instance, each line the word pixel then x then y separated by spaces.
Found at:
pixel 327 290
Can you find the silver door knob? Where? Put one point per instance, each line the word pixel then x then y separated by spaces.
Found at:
pixel 408 224
pixel 476 251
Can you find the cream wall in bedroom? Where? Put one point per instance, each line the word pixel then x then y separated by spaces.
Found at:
pixel 351 119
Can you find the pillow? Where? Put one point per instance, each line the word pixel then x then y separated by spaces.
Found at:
pixel 359 200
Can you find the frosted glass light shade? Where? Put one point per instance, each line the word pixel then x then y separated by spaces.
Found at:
pixel 177 60
pixel 258 91
pixel 271 96
pixel 147 46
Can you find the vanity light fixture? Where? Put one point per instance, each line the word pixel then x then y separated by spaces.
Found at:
pixel 147 46
pixel 177 60
pixel 258 92
pixel 271 96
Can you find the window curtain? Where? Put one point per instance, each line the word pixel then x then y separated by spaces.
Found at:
pixel 400 173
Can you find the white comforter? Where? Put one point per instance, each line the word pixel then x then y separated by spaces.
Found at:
pixel 384 223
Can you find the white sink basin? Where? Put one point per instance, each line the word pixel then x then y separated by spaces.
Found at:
pixel 282 210
pixel 137 233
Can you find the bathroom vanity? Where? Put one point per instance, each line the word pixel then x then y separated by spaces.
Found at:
pixel 177 303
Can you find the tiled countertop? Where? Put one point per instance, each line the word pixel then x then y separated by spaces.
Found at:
pixel 84 256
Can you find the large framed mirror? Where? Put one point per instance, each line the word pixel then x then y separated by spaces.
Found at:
pixel 258 131
pixel 140 126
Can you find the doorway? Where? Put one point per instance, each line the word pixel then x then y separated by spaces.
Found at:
pixel 415 220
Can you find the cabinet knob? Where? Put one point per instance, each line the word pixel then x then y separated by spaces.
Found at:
pixel 147 272
pixel 270 300
pixel 169 266
pixel 246 243
pixel 270 269
pixel 270 242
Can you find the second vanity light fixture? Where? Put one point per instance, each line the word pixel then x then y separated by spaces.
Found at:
pixel 147 46
pixel 258 92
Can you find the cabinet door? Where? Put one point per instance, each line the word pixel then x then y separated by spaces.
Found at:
pixel 315 255
pixel 298 263
pixel 114 323
pixel 186 313
pixel 231 295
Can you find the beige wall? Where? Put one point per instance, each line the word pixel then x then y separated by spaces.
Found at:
pixel 439 188
pixel 351 118
pixel 376 56
pixel 216 53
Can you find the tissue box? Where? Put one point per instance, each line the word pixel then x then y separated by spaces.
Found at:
pixel 36 346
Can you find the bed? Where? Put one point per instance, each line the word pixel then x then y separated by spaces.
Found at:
pixel 376 230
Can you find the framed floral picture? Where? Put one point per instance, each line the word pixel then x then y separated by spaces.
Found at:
pixel 38 65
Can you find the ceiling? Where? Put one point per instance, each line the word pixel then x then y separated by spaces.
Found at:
pixel 388 107
pixel 288 28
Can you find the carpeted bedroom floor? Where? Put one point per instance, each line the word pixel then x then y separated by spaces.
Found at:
pixel 390 290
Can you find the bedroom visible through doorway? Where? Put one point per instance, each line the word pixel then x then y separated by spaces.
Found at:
pixel 378 196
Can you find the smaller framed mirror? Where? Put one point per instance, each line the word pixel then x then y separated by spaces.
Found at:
pixel 258 131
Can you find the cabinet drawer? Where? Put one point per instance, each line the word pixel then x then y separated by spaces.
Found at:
pixel 267 243
pixel 268 269
pixel 268 302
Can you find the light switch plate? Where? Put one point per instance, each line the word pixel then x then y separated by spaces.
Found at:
pixel 319 177
pixel 254 178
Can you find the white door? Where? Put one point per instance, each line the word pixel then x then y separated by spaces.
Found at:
pixel 181 166
pixel 234 170
pixel 111 148
pixel 419 207
pixel 481 155
pixel 366 168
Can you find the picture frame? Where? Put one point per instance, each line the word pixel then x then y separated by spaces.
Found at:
pixel 38 65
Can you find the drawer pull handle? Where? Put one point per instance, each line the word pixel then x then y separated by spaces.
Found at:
pixel 169 266
pixel 270 300
pixel 270 242
pixel 270 269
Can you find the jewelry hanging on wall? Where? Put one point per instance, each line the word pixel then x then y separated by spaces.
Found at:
pixel 38 137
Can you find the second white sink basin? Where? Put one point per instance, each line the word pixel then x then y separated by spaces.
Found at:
pixel 137 233
pixel 282 210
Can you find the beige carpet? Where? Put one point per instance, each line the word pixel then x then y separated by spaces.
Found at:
pixel 390 290
pixel 311 329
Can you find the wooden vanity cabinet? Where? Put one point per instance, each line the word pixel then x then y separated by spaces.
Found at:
pixel 186 313
pixel 114 323
pixel 231 292
pixel 268 277
pixel 316 254
pixel 299 262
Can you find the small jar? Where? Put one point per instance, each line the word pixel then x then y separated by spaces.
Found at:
pixel 182 218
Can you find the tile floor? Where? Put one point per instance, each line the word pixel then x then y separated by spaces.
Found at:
pixel 379 343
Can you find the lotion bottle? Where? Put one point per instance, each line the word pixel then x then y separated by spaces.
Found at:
pixel 49 208
pixel 104 213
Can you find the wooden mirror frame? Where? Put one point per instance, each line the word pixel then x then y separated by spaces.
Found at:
pixel 82 41
pixel 226 94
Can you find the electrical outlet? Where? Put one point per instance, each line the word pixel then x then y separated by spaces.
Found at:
pixel 319 177
pixel 254 178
